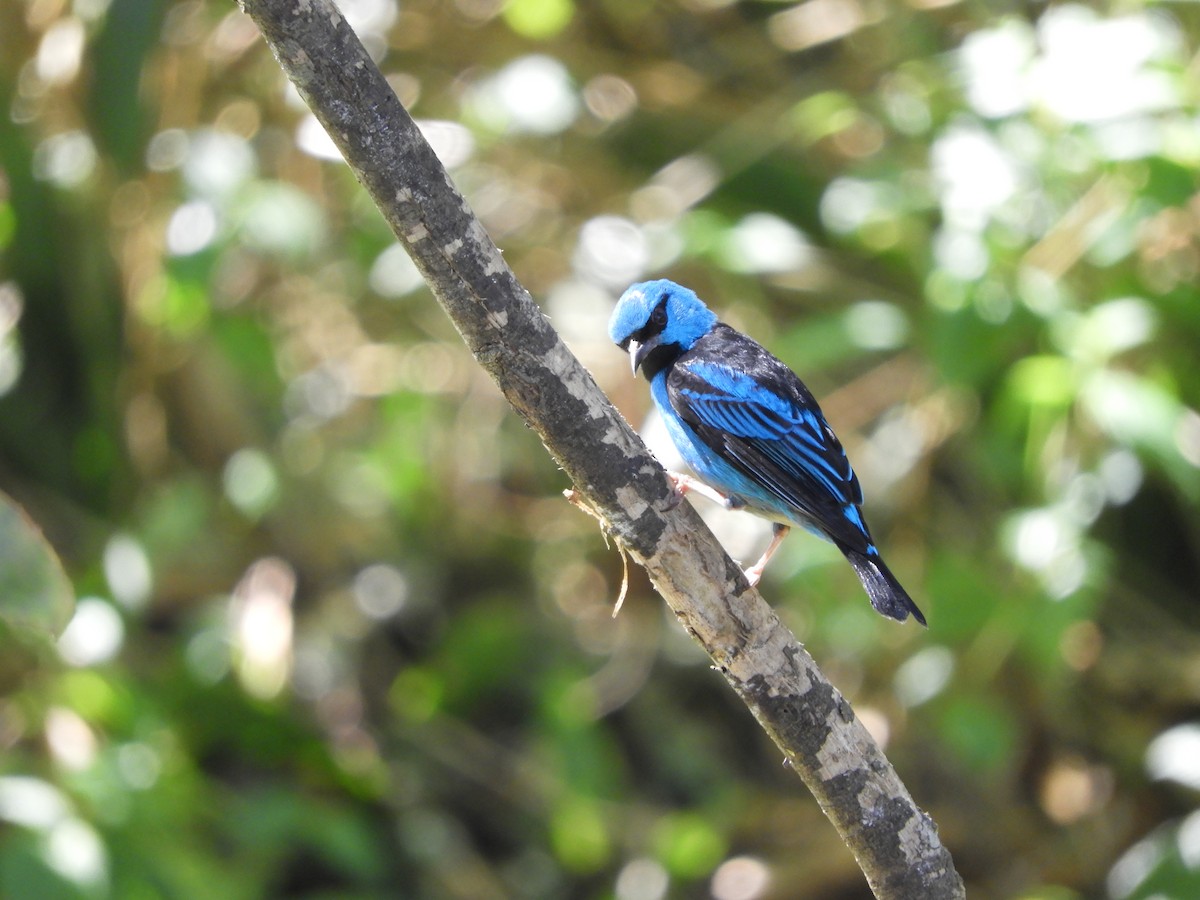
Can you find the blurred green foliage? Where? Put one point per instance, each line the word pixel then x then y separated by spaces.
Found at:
pixel 36 598
pixel 338 633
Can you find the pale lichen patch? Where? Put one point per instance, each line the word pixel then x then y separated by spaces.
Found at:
pixel 873 803
pixel 837 756
pixel 914 837
pixel 613 435
pixel 495 265
pixel 575 379
pixel 631 501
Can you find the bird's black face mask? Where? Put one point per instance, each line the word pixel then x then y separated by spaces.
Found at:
pixel 647 348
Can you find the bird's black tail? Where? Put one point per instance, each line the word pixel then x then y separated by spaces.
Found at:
pixel 887 596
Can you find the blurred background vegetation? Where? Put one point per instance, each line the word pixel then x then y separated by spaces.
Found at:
pixel 337 632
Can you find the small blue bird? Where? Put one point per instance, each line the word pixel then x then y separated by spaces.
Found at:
pixel 750 429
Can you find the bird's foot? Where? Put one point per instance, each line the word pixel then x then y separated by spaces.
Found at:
pixel 683 483
pixel 679 488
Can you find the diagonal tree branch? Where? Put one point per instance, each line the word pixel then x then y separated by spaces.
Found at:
pixel 615 478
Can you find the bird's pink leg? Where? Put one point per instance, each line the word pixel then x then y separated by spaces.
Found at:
pixel 754 573
pixel 686 484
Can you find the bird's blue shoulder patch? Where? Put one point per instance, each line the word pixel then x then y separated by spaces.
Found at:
pixel 743 386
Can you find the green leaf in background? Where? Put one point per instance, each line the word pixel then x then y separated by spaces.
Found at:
pixel 36 598
pixel 688 844
pixel 1165 863
pixel 982 732
pixel 538 19
pixel 578 835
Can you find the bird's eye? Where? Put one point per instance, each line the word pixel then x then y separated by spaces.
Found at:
pixel 658 318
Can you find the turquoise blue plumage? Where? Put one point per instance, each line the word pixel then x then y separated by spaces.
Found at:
pixel 750 430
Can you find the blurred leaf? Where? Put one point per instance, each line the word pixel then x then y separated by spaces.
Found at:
pixel 24 871
pixel 36 598
pixel 688 844
pixel 96 698
pixel 416 694
pixel 981 731
pixel 538 19
pixel 578 835
pixel 1162 864
pixel 965 595
pixel 1111 328
pixel 130 32
pixel 1169 182
pixel 178 306
pixel 1043 381
pixel 8 224
pixel 823 114
pixel 485 657
pixel 1136 411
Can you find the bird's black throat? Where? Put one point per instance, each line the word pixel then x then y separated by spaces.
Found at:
pixel 659 358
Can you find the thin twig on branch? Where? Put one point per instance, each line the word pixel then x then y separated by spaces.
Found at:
pixel 614 476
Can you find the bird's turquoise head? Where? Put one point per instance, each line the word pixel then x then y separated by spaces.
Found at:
pixel 655 321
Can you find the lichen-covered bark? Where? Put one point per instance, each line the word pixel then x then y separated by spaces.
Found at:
pixel 614 476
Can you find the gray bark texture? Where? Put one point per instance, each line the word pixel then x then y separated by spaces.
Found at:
pixel 615 478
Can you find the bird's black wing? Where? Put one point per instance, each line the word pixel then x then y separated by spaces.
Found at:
pixel 754 413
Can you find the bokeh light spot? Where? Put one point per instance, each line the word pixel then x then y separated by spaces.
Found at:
pixel 215 165
pixel 250 480
pixel 394 274
pixel 74 850
pixel 380 591
pixel 167 150
pixel 609 97
pixel 139 765
pixel 313 139
pixel 66 159
pixel 642 879
pixel 924 675
pixel 191 228
pixel 61 51
pixel 1175 756
pixel 127 570
pixel 765 243
pixel 876 325
pixel 741 878
pixel 532 94
pixel 453 143
pixel 94 635
pixel 72 743
pixel 612 250
pixel 262 626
